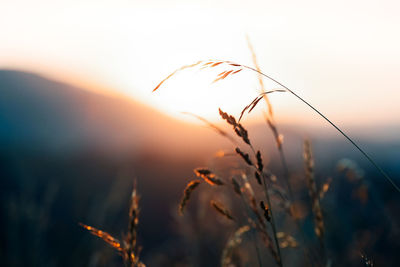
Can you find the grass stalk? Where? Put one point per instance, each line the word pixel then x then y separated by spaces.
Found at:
pixel 382 172
pixel 278 250
pixel 253 232
pixel 214 63
pixel 272 125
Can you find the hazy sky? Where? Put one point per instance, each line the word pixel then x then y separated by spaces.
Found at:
pixel 343 56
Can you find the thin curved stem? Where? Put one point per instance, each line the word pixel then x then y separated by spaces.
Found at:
pixel 213 63
pixel 278 249
pixel 332 124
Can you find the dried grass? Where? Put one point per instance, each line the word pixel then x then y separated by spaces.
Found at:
pixel 128 249
pixel 234 241
pixel 221 209
pixel 238 67
pixel 208 176
pixel 244 156
pixel 312 190
pixel 109 239
pixel 260 77
pixel 190 187
pixel 286 240
pixel 263 222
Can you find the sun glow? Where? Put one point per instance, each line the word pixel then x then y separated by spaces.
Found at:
pixel 129 47
pixel 202 91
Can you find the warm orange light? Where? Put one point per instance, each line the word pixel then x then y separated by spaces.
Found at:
pixel 129 47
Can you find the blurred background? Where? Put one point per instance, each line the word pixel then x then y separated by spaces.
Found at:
pixel 79 122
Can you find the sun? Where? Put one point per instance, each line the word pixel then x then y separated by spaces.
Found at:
pixel 202 90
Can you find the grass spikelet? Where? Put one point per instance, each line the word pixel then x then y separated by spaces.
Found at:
pixel 236 186
pixel 242 132
pixel 208 176
pixel 256 100
pixel 176 71
pixel 223 76
pixel 229 119
pixel 265 209
pixel 128 249
pixel 132 250
pixel 239 129
pixel 216 64
pixel 312 190
pixel 286 240
pixel 202 171
pixel 234 241
pixel 244 156
pixel 258 177
pixel 221 209
pixel 247 191
pixel 278 137
pixel 222 73
pixel 368 262
pixel 109 239
pixel 236 71
pixel 190 187
pixel 260 165
pixel 325 187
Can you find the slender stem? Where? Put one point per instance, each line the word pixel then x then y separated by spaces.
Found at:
pixel 293 93
pixel 270 209
pixel 331 123
pixel 257 248
pixel 291 195
pixel 272 221
pixel 252 230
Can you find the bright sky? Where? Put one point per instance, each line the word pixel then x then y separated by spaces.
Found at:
pixel 343 56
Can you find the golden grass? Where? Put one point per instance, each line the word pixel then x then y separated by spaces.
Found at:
pixel 128 248
pixel 260 217
pixel 208 176
pixel 238 67
pixel 312 190
pixel 221 209
pixel 234 241
pixel 190 187
pixel 113 242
